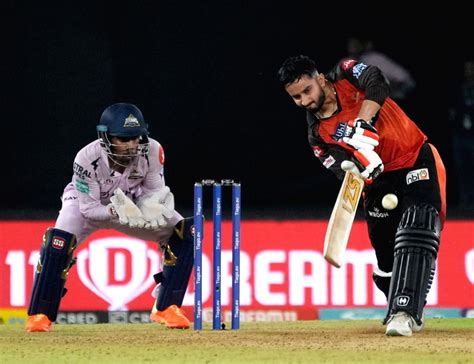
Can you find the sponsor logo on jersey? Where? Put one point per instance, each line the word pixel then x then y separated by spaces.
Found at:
pixel 131 122
pixel 358 69
pixel 95 164
pixel 329 161
pixel 340 131
pixel 58 242
pixel 418 175
pixel 403 300
pixel 348 64
pixel 377 214
pixel 318 151
pixel 80 171
pixel 82 186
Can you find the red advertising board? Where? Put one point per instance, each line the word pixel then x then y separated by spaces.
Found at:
pixel 282 269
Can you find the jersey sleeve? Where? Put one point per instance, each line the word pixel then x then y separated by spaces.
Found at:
pixel 88 189
pixel 331 156
pixel 154 179
pixel 368 78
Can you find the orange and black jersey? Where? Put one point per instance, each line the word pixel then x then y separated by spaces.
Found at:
pixel 400 139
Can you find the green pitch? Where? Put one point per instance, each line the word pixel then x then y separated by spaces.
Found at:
pixel 442 341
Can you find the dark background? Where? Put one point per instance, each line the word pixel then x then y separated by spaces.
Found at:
pixel 204 76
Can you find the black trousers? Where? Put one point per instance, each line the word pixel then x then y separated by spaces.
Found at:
pixel 423 183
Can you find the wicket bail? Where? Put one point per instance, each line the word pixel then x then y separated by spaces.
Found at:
pixel 217 249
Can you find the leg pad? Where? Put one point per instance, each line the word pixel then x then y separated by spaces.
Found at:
pixel 56 258
pixel 178 259
pixel 416 250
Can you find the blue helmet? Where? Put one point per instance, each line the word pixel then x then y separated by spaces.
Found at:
pixel 124 121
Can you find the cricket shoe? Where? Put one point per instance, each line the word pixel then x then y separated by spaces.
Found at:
pixel 403 324
pixel 38 323
pixel 173 317
pixel 418 328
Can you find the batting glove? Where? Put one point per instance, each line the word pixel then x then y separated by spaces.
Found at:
pixel 361 135
pixel 366 163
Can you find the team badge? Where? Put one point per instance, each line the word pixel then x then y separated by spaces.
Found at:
pixel 131 122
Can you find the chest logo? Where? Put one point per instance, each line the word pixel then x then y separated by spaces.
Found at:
pixel 340 131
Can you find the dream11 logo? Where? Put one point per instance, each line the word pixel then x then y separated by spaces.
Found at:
pixel 117 269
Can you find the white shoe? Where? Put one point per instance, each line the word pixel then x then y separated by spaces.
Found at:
pixel 416 327
pixel 401 324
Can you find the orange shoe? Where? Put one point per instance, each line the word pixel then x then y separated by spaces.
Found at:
pixel 173 317
pixel 38 323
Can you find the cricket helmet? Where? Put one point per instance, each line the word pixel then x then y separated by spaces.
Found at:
pixel 124 121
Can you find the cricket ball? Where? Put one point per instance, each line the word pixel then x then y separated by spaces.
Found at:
pixel 389 201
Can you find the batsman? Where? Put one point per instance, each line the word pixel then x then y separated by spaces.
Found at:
pixel 353 125
pixel 118 183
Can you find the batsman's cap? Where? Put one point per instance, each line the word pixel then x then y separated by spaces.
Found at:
pixel 122 120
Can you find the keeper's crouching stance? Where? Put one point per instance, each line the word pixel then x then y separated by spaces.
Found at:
pixel 56 259
pixel 118 183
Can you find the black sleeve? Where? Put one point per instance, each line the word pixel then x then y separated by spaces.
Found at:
pixel 331 156
pixel 365 77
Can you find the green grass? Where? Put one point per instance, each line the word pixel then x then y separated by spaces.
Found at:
pixel 442 341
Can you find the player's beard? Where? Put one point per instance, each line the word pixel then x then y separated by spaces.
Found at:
pixel 124 159
pixel 316 106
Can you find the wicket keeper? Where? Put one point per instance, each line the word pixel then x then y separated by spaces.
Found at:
pixel 117 183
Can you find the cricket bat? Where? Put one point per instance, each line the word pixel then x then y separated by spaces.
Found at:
pixel 342 217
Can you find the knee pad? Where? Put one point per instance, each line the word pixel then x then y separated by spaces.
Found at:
pixel 416 249
pixel 56 258
pixel 178 259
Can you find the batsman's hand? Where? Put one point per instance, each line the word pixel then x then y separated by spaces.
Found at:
pixel 365 163
pixel 128 213
pixel 157 208
pixel 361 135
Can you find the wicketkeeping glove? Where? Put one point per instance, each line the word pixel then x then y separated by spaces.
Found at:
pixel 157 207
pixel 360 134
pixel 365 163
pixel 128 213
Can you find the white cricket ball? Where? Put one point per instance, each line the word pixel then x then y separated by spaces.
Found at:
pixel 389 201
